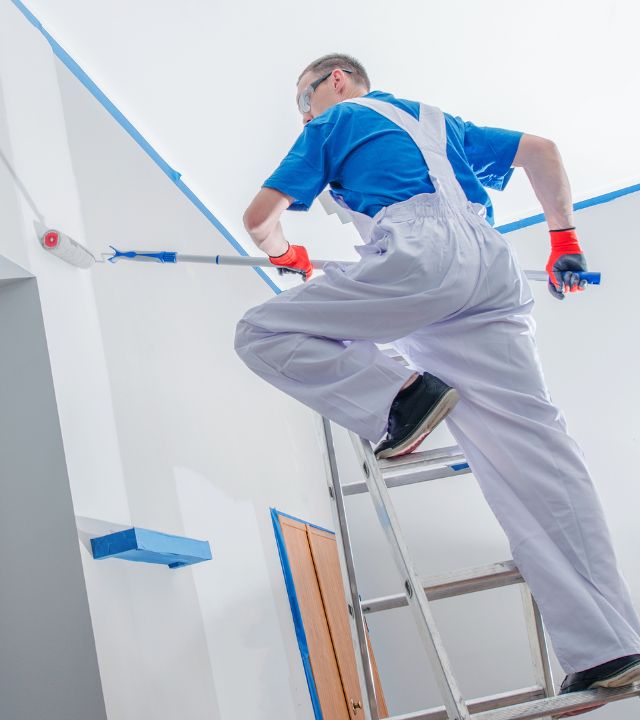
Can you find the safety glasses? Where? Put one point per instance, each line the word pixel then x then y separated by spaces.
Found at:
pixel 304 101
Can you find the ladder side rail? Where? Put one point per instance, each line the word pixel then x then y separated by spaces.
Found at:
pixel 345 554
pixel 451 695
pixel 537 642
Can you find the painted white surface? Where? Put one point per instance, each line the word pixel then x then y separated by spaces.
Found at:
pixel 201 452
pixel 156 411
pixel 34 143
pixel 180 437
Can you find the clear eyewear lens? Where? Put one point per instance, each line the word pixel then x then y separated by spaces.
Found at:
pixel 304 101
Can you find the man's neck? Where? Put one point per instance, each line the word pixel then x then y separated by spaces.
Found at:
pixel 355 93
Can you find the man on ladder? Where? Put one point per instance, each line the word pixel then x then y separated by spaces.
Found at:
pixel 440 284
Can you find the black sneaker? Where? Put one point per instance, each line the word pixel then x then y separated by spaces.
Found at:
pixel 414 413
pixel 615 673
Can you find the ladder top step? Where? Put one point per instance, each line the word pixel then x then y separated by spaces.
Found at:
pixel 534 706
pixel 424 457
pixel 561 703
pixel 491 702
pixel 416 468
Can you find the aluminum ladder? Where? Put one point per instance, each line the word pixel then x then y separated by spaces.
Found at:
pixel 539 701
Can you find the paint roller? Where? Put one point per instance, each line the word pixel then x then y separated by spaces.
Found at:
pixel 67 249
pixel 73 252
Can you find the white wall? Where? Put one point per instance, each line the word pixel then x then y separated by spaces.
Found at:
pixel 48 662
pixel 163 426
pixel 40 187
pixel 207 448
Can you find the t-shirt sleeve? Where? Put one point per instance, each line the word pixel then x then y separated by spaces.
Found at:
pixel 304 172
pixel 490 152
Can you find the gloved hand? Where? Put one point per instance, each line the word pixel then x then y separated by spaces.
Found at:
pixel 295 260
pixel 565 261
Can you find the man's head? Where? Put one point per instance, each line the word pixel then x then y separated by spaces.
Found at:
pixel 328 80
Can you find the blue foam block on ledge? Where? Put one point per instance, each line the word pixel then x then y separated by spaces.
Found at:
pixel 140 545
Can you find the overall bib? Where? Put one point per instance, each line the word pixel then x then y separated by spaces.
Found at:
pixel 440 284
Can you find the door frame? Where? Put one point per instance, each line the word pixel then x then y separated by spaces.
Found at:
pixel 298 623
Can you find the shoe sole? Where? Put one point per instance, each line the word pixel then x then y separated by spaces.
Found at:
pixel 438 413
pixel 626 677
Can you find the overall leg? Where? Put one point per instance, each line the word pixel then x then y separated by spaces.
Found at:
pixel 316 342
pixel 533 474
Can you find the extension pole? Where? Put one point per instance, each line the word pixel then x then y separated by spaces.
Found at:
pixel 592 278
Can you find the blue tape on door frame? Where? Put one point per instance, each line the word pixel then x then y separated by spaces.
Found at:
pixel 172 174
pixel 295 610
pixel 305 522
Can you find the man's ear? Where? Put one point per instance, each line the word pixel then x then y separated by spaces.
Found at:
pixel 339 81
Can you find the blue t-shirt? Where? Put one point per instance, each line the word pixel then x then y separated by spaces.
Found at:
pixel 372 162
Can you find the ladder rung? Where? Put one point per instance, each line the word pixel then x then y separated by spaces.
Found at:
pixel 561 703
pixel 458 582
pixel 397 474
pixel 490 702
pixel 451 453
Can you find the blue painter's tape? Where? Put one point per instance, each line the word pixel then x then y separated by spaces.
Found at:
pixel 607 197
pixel 304 522
pixel 170 172
pixel 519 224
pixel 140 545
pixel 298 624
pixel 590 202
pixel 459 466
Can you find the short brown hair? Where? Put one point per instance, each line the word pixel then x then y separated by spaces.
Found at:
pixel 344 62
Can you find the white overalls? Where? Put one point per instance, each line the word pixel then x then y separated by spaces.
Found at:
pixel 444 287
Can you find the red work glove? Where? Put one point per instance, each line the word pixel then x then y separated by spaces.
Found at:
pixel 565 261
pixel 295 260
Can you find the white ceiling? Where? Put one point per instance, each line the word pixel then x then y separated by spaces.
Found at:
pixel 211 85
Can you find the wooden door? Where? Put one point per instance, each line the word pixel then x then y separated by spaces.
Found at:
pixel 315 569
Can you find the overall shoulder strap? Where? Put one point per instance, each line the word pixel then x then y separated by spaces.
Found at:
pixel 430 136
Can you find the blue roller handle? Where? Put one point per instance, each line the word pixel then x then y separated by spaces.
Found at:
pixel 162 256
pixel 593 278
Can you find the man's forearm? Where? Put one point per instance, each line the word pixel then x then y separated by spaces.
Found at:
pixel 262 220
pixel 543 164
pixel 270 241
